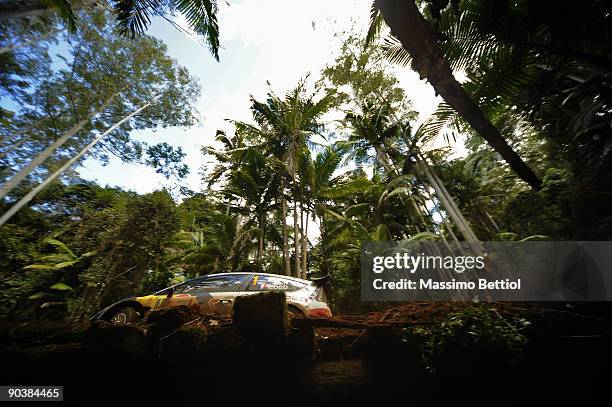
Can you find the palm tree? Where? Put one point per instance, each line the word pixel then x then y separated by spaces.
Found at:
pixel 531 69
pixel 208 245
pixel 230 158
pixel 323 187
pixel 287 125
pixel 420 39
pixel 256 184
pixel 374 128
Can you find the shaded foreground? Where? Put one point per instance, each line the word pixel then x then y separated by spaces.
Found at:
pixel 485 353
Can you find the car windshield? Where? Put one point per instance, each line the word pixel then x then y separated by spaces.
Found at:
pixel 212 283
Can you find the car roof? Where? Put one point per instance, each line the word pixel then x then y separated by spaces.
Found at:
pixel 301 280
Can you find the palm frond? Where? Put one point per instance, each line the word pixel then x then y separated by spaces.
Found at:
pixel 348 188
pixel 376 24
pixel 134 16
pixel 201 15
pixel 444 118
pixel 66 13
pixel 381 233
pixel 394 51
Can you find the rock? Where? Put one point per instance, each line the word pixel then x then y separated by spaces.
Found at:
pixel 262 318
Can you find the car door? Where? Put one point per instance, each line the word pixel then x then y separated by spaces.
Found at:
pixel 216 294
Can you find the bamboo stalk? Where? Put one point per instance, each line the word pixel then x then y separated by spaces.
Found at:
pixel 30 195
pixel 9 185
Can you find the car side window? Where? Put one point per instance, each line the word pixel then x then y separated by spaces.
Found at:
pixel 215 283
pixel 268 283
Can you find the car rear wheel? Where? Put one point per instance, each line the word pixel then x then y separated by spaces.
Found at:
pixel 125 315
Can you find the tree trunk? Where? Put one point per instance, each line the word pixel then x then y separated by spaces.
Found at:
pixel 451 208
pixel 385 161
pixel 285 232
pixel 28 197
pixel 296 238
pixel 260 246
pixel 40 158
pixel 420 40
pixel 304 233
pixel 232 255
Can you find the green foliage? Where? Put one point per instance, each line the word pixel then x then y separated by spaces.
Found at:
pixel 167 160
pixel 22 66
pixel 474 329
pixel 359 75
pixel 532 68
pixel 204 244
pixel 101 66
pixel 114 244
pixel 49 278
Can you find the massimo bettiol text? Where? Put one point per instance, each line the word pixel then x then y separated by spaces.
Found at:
pixel 508 271
pixel 459 264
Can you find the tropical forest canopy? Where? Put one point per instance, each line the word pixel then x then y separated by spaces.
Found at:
pixel 534 110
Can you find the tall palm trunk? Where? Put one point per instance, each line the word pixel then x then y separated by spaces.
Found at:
pixel 296 238
pixel 28 197
pixel 385 161
pixel 294 185
pixel 285 233
pixel 260 242
pixel 441 192
pixel 232 258
pixel 40 158
pixel 451 208
pixel 420 40
pixel 304 232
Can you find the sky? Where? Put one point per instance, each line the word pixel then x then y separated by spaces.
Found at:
pixel 263 41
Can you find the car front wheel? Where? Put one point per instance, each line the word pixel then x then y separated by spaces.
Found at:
pixel 125 315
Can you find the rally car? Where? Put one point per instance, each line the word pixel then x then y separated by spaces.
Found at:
pixel 215 294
